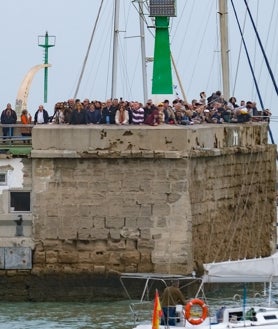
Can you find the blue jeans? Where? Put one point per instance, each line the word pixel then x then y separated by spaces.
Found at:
pixel 168 317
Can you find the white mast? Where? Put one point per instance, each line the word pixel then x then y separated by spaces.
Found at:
pixel 143 50
pixel 115 48
pixel 223 16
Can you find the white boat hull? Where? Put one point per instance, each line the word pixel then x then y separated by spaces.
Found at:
pixel 265 318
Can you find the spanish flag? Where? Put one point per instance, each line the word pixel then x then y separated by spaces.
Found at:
pixel 157 312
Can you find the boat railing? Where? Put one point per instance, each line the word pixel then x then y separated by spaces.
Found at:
pixel 141 310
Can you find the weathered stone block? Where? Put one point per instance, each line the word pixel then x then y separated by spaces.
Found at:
pixel 120 245
pixel 67 257
pixel 85 257
pixel 39 257
pixel 51 257
pixel 145 234
pixel 145 244
pixel 161 209
pixel 131 244
pixel 84 210
pixel 130 222
pixel 115 234
pixel 83 233
pixel 99 233
pixel 114 222
pixel 130 257
pixel 99 269
pixel 147 268
pixel 144 222
pixel 114 258
pixel 99 222
pixel 130 233
pixel 131 268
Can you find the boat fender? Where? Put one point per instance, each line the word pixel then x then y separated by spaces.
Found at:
pixel 203 306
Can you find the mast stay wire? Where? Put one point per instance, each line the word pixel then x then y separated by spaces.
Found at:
pixel 247 54
pixel 267 38
pixel 180 19
pixel 88 51
pixel 239 56
pixel 200 46
pixel 262 48
pixel 101 51
pixel 251 68
pixel 255 49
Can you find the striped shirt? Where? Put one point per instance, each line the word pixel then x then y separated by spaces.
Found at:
pixel 138 116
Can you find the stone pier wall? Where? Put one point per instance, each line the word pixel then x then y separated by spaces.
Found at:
pixel 108 199
pixel 151 199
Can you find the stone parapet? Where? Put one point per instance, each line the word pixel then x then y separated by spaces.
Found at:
pixel 165 141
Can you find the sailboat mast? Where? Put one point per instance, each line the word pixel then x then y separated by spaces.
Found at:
pixel 115 48
pixel 143 50
pixel 223 16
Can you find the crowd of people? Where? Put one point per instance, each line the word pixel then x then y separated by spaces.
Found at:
pixel 213 109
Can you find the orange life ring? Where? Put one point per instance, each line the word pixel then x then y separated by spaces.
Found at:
pixel 204 315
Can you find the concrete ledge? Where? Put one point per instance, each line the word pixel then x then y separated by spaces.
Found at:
pixel 165 141
pixel 17 242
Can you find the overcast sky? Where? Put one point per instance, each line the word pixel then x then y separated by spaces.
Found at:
pixel 194 43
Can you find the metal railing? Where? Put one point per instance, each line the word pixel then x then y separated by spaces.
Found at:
pixel 15 134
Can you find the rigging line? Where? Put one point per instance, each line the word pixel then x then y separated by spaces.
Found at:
pixel 262 49
pixel 255 50
pixel 88 51
pixel 247 194
pixel 143 16
pixel 267 38
pixel 248 57
pixel 214 56
pixel 180 19
pixel 236 220
pixel 239 55
pixel 109 57
pixel 186 29
pixel 270 21
pixel 200 46
pixel 218 45
pixel 210 72
pixel 263 207
pixel 99 56
pixel 240 211
pixel 124 52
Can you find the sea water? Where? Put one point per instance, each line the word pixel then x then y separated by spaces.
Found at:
pixel 105 315
pixel 102 315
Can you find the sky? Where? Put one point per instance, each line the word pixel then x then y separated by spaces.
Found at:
pixel 195 47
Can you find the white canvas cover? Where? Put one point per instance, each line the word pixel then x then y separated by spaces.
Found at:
pixel 246 270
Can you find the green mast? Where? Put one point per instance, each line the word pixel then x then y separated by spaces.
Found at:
pixel 49 41
pixel 162 69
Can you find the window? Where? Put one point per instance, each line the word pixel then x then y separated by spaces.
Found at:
pixel 20 201
pixel 3 178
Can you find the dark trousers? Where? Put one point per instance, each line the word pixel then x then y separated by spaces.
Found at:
pixel 168 317
pixel 8 132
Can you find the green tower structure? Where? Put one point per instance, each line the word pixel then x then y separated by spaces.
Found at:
pixel 48 41
pixel 162 10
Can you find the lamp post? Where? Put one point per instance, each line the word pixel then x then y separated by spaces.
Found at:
pixel 46 41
